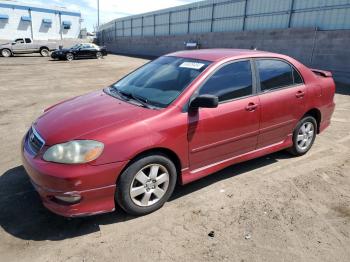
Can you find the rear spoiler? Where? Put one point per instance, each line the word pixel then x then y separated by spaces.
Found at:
pixel 322 72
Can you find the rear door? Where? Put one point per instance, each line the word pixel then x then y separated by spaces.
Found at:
pixel 231 129
pixel 91 51
pixel 30 46
pixel 282 96
pixel 85 51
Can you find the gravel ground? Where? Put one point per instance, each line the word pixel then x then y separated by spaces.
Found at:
pixel 275 208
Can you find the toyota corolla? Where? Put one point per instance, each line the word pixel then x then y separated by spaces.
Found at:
pixel 176 119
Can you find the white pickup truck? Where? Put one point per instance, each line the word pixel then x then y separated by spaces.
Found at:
pixel 27 46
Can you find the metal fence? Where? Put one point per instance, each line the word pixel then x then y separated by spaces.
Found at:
pixel 232 16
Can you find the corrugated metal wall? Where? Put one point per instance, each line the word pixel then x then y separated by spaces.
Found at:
pixel 230 16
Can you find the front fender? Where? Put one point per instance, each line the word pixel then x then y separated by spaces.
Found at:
pixel 126 142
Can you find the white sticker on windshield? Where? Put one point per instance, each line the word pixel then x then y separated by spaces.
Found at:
pixel 192 65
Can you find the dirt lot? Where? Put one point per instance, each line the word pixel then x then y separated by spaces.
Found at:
pixel 275 208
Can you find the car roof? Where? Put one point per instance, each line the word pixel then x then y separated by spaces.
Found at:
pixel 218 54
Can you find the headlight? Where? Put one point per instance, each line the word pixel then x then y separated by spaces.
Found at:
pixel 74 152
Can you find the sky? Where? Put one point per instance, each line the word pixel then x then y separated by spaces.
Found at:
pixel 109 9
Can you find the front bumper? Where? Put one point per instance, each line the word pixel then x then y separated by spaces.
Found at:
pixel 95 184
pixel 55 55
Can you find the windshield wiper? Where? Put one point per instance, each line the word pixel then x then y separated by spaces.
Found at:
pixel 142 101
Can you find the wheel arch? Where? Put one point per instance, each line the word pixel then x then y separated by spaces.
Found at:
pixel 44 47
pixel 315 113
pixel 6 49
pixel 158 150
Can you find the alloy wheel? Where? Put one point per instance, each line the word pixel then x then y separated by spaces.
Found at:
pixel 45 52
pixel 305 135
pixel 149 185
pixel 69 57
pixel 5 53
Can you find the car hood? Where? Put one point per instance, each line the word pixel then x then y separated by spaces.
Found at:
pixel 80 117
pixel 5 44
pixel 63 50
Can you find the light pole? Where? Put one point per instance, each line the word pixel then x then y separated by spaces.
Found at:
pixel 98 14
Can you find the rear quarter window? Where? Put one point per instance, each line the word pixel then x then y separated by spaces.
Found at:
pixel 297 77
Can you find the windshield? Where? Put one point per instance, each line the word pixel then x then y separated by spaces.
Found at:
pixel 161 81
pixel 76 46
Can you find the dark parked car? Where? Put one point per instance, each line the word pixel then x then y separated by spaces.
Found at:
pixel 87 50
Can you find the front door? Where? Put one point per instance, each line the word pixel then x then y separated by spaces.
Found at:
pixel 282 98
pixel 84 51
pixel 231 129
pixel 19 46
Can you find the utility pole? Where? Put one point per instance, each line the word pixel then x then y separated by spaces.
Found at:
pixel 98 14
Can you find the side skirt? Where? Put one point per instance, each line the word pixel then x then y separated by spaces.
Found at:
pixel 189 175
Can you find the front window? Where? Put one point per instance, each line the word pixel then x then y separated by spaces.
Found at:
pixel 230 82
pixel 19 41
pixel 161 81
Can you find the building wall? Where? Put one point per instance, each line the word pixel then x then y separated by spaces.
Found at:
pixel 233 15
pixel 74 31
pixel 316 32
pixel 14 27
pixel 320 49
pixel 45 31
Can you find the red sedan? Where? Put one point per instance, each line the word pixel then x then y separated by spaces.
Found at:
pixel 176 119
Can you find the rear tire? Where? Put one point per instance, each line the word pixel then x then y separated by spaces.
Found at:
pixel 69 57
pixel 6 52
pixel 146 184
pixel 303 136
pixel 44 52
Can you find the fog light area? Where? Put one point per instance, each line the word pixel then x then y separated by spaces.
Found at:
pixel 67 199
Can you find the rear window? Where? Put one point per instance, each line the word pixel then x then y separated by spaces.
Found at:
pixel 274 74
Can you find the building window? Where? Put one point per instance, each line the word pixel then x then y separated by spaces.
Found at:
pixel 66 25
pixel 26 18
pixel 4 17
pixel 47 22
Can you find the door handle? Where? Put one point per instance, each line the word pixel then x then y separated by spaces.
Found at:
pixel 251 107
pixel 300 94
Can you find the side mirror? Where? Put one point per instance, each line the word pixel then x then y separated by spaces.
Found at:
pixel 205 101
pixel 13 43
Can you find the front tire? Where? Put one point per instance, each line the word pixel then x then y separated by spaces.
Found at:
pixel 6 53
pixel 304 136
pixel 69 57
pixel 146 184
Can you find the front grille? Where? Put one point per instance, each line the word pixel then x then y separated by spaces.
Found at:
pixel 34 140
